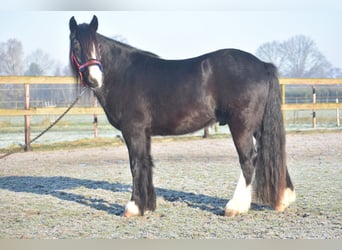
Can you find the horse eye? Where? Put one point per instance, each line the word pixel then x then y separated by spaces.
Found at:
pixel 76 48
pixel 76 44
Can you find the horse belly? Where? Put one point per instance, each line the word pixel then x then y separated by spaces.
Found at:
pixel 179 124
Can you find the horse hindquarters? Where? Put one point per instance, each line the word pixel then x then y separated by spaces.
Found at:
pixel 266 160
pixel 243 140
pixel 243 123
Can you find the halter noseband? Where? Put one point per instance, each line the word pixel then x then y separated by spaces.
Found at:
pixel 82 67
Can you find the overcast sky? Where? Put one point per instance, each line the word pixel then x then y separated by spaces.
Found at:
pixel 174 32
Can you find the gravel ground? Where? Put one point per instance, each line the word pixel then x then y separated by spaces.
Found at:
pixel 81 193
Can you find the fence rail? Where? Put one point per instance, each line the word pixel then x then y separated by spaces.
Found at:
pixel 50 111
pixel 26 81
pixel 30 80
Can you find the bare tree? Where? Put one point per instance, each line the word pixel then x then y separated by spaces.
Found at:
pixel 336 73
pixel 34 70
pixel 11 57
pixel 67 71
pixel 304 59
pixel 296 57
pixel 40 62
pixel 57 71
pixel 272 52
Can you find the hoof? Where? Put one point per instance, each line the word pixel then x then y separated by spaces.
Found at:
pixel 131 210
pixel 288 198
pixel 241 201
pixel 230 213
pixel 234 208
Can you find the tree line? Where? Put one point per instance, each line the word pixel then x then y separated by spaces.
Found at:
pixel 38 63
pixel 298 57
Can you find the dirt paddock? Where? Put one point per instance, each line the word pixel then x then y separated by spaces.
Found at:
pixel 81 193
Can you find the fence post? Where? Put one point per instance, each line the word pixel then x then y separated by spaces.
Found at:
pixel 27 118
pixel 95 119
pixel 313 109
pixel 337 114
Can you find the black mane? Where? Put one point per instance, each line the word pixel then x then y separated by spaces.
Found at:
pixel 125 46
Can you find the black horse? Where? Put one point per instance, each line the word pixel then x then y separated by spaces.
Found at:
pixel 144 95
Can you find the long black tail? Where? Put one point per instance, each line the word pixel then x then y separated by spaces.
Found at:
pixel 271 175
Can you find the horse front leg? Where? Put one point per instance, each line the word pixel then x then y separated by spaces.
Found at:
pixel 143 194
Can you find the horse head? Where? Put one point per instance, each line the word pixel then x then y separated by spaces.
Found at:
pixel 85 53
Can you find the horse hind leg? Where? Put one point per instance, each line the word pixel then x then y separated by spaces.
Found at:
pixel 264 186
pixel 241 201
pixel 242 198
pixel 288 196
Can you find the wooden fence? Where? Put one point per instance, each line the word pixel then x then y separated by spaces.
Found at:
pixel 26 81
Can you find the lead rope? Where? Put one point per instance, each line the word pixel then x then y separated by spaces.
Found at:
pixel 48 128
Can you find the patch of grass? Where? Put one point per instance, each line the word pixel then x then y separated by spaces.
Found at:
pixel 101 142
pixel 115 142
pixel 315 131
pixel 4 124
pixel 8 127
pixel 83 143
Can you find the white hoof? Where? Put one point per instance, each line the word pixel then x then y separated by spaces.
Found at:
pixel 131 209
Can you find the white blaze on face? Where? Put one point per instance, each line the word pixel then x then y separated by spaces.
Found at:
pixel 95 72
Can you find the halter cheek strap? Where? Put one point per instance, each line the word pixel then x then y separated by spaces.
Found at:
pixel 83 67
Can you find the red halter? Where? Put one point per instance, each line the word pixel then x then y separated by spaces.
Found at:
pixel 82 67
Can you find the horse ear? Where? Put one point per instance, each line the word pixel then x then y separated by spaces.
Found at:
pixel 72 24
pixel 94 24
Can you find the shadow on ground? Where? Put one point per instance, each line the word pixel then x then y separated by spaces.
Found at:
pixel 59 187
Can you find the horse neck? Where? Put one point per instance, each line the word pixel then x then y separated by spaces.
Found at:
pixel 114 59
pixel 108 52
pixel 119 52
pixel 113 51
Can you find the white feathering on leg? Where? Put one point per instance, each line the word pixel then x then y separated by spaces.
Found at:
pixel 288 198
pixel 131 209
pixel 242 198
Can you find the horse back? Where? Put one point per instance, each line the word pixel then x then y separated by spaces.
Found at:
pixel 181 96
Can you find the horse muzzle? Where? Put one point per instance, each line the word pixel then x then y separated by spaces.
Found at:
pixel 95 76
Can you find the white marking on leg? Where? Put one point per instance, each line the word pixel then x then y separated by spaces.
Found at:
pixel 255 144
pixel 95 72
pixel 288 197
pixel 254 141
pixel 242 198
pixel 131 209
